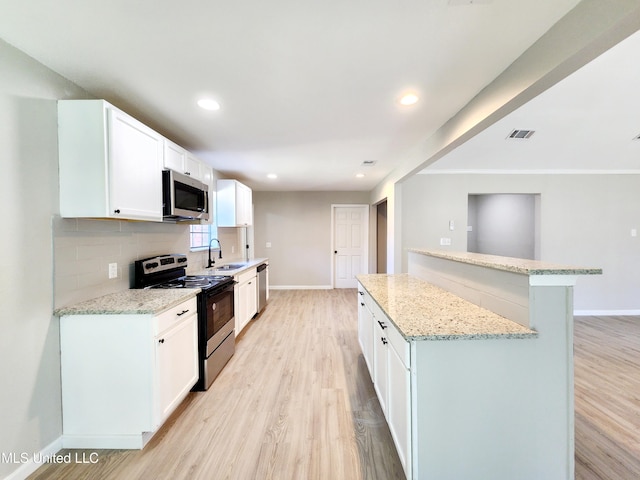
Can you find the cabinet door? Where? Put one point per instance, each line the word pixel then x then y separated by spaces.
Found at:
pixel 176 364
pixel 248 303
pixel 399 408
pixel 380 370
pixel 234 204
pixel 244 200
pixel 192 167
pixel 135 169
pixel 174 156
pixel 365 332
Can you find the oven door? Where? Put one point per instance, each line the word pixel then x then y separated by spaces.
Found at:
pixel 219 317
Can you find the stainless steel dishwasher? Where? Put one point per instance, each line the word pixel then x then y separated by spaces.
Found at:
pixel 262 286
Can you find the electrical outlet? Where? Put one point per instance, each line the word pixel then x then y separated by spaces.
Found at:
pixel 445 241
pixel 113 270
pixel 634 232
pixel 268 245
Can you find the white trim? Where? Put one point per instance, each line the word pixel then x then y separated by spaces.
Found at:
pixel 606 313
pixel 125 441
pixel 496 171
pixel 552 280
pixel 27 468
pixel 300 287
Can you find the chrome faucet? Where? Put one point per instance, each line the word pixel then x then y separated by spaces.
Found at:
pixel 211 262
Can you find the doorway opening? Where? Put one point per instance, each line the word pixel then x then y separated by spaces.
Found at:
pixel 381 237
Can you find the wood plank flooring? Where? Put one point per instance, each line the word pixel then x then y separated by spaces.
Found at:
pixel 296 402
pixel 607 397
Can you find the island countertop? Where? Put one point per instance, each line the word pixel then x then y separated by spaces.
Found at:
pixel 509 264
pixel 134 301
pixel 422 311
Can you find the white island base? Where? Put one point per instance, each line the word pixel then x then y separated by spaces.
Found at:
pixel 494 404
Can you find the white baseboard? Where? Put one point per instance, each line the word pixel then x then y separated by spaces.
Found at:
pixel 606 313
pixel 30 461
pixel 300 287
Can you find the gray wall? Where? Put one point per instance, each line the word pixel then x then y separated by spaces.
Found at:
pixel 50 261
pixel 298 226
pixel 585 220
pixel 30 409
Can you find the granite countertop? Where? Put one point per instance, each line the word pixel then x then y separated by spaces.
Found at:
pixel 422 311
pixel 509 264
pixel 133 301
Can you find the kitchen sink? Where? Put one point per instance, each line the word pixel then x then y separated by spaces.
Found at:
pixel 231 266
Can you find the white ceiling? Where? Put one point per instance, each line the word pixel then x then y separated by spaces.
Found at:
pixel 307 90
pixel 586 123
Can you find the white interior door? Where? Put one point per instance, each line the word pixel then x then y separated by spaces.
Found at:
pixel 350 227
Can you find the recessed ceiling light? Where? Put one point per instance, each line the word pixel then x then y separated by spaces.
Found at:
pixel 359 175
pixel 408 99
pixel 208 104
pixel 273 176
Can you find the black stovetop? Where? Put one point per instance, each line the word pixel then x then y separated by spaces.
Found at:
pixel 169 271
pixel 195 281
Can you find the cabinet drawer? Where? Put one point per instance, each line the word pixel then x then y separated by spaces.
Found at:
pixel 173 315
pixel 246 276
pixel 398 343
pixel 363 296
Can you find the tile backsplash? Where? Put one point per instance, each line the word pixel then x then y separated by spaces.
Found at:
pixel 84 248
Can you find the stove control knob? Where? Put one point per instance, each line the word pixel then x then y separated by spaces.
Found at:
pixel 149 266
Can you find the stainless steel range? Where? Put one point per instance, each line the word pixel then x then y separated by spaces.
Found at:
pixel 216 335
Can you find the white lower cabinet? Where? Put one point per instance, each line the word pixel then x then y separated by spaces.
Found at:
pixel 365 329
pixel 386 353
pixel 246 298
pixel 399 407
pixel 381 362
pixel 177 366
pixel 123 375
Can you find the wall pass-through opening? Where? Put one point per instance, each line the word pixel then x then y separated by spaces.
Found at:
pixel 504 224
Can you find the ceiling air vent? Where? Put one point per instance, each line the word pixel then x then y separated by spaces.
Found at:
pixel 368 163
pixel 637 137
pixel 521 134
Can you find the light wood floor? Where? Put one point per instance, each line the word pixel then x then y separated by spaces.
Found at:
pixel 296 402
pixel 607 397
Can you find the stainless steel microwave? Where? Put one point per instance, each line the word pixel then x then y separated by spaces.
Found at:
pixel 183 197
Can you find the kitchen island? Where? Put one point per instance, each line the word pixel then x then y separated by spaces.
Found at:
pixel 471 359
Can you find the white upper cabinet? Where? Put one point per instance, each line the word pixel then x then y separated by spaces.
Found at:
pixel 234 204
pixel 182 161
pixel 110 164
